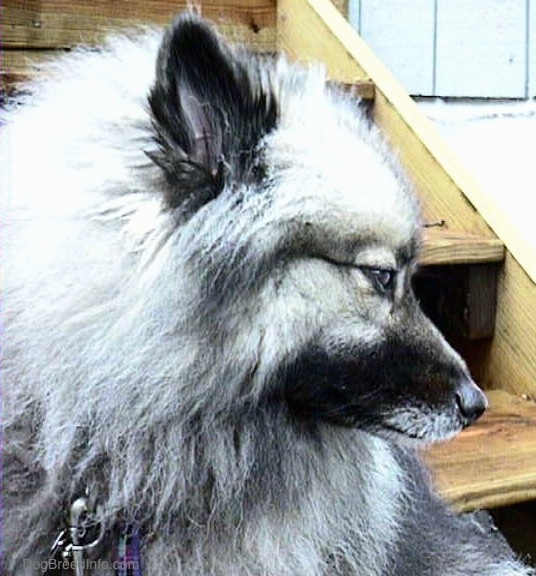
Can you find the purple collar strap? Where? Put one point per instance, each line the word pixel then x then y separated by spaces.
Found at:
pixel 128 557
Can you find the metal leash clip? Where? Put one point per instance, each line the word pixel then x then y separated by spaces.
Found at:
pixel 72 543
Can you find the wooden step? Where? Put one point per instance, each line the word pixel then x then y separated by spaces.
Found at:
pixel 441 247
pixel 363 89
pixel 493 462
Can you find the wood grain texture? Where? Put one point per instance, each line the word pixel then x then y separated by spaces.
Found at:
pixel 511 360
pixel 360 89
pixel 492 463
pixel 39 24
pixel 19 66
pixel 36 30
pixel 447 247
pixel 295 22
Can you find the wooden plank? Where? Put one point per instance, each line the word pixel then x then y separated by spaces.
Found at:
pixel 447 247
pixel 19 66
pixel 39 24
pixel 510 362
pixel 492 463
pixel 479 309
pixel 295 20
pixel 481 61
pixel 361 89
pixel 462 302
pixel 342 6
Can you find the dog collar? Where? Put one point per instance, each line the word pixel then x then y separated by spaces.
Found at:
pixel 83 532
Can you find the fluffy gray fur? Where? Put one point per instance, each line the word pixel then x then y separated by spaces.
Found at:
pixel 146 341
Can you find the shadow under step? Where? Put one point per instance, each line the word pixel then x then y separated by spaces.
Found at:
pixel 457 282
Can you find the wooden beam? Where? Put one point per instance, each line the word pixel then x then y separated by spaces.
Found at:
pixel 47 24
pixel 342 6
pixel 510 362
pixel 442 247
pixel 492 463
pixel 19 66
pixel 34 31
pixel 360 89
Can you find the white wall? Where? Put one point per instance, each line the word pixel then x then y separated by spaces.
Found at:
pixel 403 32
pixel 532 49
pixel 465 48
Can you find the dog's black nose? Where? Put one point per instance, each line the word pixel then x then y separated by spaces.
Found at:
pixel 471 401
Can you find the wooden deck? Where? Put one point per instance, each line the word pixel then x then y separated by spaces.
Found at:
pixel 492 463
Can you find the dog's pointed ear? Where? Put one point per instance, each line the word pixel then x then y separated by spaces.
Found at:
pixel 210 105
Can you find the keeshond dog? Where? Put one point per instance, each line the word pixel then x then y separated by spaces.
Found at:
pixel 210 332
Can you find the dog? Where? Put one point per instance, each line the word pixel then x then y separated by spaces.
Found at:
pixel 211 340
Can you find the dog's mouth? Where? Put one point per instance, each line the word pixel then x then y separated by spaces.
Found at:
pixel 417 438
pixel 423 425
pixel 421 422
pixel 417 424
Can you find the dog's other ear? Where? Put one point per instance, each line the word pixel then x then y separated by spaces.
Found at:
pixel 210 105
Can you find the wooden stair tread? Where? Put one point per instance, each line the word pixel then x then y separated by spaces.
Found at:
pixel 360 88
pixel 493 462
pixel 446 247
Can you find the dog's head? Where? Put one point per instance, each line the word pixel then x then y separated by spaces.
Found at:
pixel 303 234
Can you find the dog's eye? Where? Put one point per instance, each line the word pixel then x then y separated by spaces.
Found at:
pixel 383 278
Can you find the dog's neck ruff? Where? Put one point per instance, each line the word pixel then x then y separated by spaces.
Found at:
pixel 82 533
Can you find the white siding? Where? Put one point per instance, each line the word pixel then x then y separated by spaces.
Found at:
pixel 354 14
pixel 402 35
pixel 466 48
pixel 481 48
pixel 532 49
